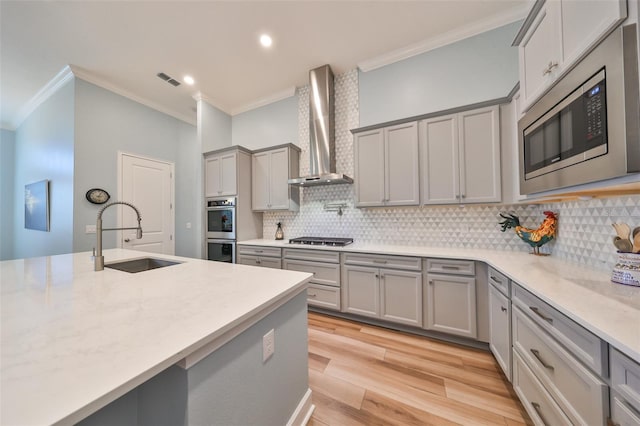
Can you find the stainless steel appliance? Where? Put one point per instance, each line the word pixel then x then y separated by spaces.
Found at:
pixel 221 218
pixel 221 250
pixel 322 140
pixel 322 241
pixel 585 129
pixel 221 229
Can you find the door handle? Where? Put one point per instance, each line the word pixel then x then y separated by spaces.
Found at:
pixel 126 240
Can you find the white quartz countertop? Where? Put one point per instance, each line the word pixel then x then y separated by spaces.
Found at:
pixel 586 295
pixel 74 340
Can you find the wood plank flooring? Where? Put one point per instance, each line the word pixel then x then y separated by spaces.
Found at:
pixel 366 375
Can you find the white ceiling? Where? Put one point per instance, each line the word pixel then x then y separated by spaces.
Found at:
pixel 124 44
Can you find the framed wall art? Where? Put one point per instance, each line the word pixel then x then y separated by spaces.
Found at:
pixel 36 206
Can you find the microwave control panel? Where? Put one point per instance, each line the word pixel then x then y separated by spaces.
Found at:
pixel 595 112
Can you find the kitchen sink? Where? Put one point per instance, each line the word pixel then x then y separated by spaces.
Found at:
pixel 140 265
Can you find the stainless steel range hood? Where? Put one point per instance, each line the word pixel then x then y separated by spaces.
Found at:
pixel 322 142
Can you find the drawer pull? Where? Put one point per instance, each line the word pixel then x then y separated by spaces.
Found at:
pixel 503 309
pixel 312 295
pixel 258 261
pixel 536 407
pixel 377 276
pixel 450 267
pixel 541 315
pixel 629 394
pixel 536 353
pixel 379 261
pixel 495 280
pixel 259 251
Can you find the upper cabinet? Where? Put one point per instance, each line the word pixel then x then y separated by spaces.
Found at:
pixel 558 34
pixel 386 166
pixel 221 174
pixel 271 169
pixel 460 157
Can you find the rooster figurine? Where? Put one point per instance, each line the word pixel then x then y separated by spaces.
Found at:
pixel 536 238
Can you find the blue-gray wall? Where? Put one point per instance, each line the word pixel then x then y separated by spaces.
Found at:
pixel 472 70
pixel 7 159
pixel 44 150
pixel 107 123
pixel 273 124
pixel 214 127
pixel 189 193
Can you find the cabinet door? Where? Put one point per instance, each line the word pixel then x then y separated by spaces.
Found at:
pixel 451 304
pixel 360 291
pixel 213 184
pixel 585 23
pixel 369 168
pixel 278 178
pixel 540 47
pixel 401 165
pixel 439 160
pixel 500 329
pixel 260 181
pixel 401 296
pixel 228 174
pixel 479 141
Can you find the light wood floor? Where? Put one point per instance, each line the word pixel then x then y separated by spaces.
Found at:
pixel 365 375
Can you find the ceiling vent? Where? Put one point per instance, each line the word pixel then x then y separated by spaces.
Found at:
pixel 168 79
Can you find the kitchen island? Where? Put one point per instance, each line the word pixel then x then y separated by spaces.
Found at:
pixel 75 340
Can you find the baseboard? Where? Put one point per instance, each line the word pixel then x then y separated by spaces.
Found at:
pixel 303 411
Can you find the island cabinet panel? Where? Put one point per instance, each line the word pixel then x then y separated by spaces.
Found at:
pixel 387 166
pixel 221 174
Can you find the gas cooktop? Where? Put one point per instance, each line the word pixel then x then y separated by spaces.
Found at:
pixel 322 241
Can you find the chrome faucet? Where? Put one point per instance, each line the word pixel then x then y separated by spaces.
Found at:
pixel 99 258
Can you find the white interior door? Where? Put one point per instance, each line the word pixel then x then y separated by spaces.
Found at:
pixel 148 185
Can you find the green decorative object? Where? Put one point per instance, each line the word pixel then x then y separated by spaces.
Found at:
pixel 536 238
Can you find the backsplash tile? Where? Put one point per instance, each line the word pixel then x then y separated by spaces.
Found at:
pixel 584 227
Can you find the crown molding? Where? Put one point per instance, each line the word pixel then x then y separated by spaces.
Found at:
pixel 284 94
pixel 214 103
pixel 444 39
pixel 91 78
pixel 56 83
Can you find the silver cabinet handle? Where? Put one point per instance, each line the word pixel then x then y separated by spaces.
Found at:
pixel 551 66
pixel 463 196
pixel 126 240
pixel 536 407
pixel 379 261
pixel 312 294
pixel 541 315
pixel 382 276
pixel 503 309
pixel 259 251
pixel 536 353
pixel 495 280
pixel 431 282
pixel 377 276
pixel 450 267
pixel 258 261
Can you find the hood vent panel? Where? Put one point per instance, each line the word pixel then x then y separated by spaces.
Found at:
pixel 322 142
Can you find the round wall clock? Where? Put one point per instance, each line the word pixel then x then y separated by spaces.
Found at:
pixel 97 196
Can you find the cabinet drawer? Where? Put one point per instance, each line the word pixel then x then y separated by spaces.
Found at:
pixel 446 266
pixel 259 250
pixel 625 378
pixel 622 414
pixel 311 254
pixel 583 344
pixel 323 296
pixel 381 261
pixel 265 262
pixel 323 273
pixel 499 281
pixel 582 395
pixel 536 400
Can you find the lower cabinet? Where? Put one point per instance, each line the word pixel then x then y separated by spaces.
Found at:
pixel 324 286
pixel 266 257
pixel 388 294
pixel 625 389
pixel 450 298
pixel 500 329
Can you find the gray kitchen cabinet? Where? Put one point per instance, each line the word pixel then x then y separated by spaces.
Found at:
pixel 556 36
pixel 552 348
pixel 460 157
pixel 220 170
pixel 324 286
pixel 386 166
pixel 381 292
pixel 625 389
pixel 500 329
pixel 271 170
pixel 266 257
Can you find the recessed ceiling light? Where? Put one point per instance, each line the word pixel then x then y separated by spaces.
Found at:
pixel 265 40
pixel 189 80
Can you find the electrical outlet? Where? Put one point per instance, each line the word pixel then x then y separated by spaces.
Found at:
pixel 90 229
pixel 268 345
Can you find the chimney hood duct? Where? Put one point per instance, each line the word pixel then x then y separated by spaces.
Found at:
pixel 322 141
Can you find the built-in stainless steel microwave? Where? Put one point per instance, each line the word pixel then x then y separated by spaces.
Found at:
pixel 586 128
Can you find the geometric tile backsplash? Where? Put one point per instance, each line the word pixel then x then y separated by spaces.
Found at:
pixel 584 227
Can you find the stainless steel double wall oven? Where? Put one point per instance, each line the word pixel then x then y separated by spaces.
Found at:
pixel 221 229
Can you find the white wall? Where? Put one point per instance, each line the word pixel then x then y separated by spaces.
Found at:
pixel 472 70
pixel 214 127
pixel 7 159
pixel 44 150
pixel 273 124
